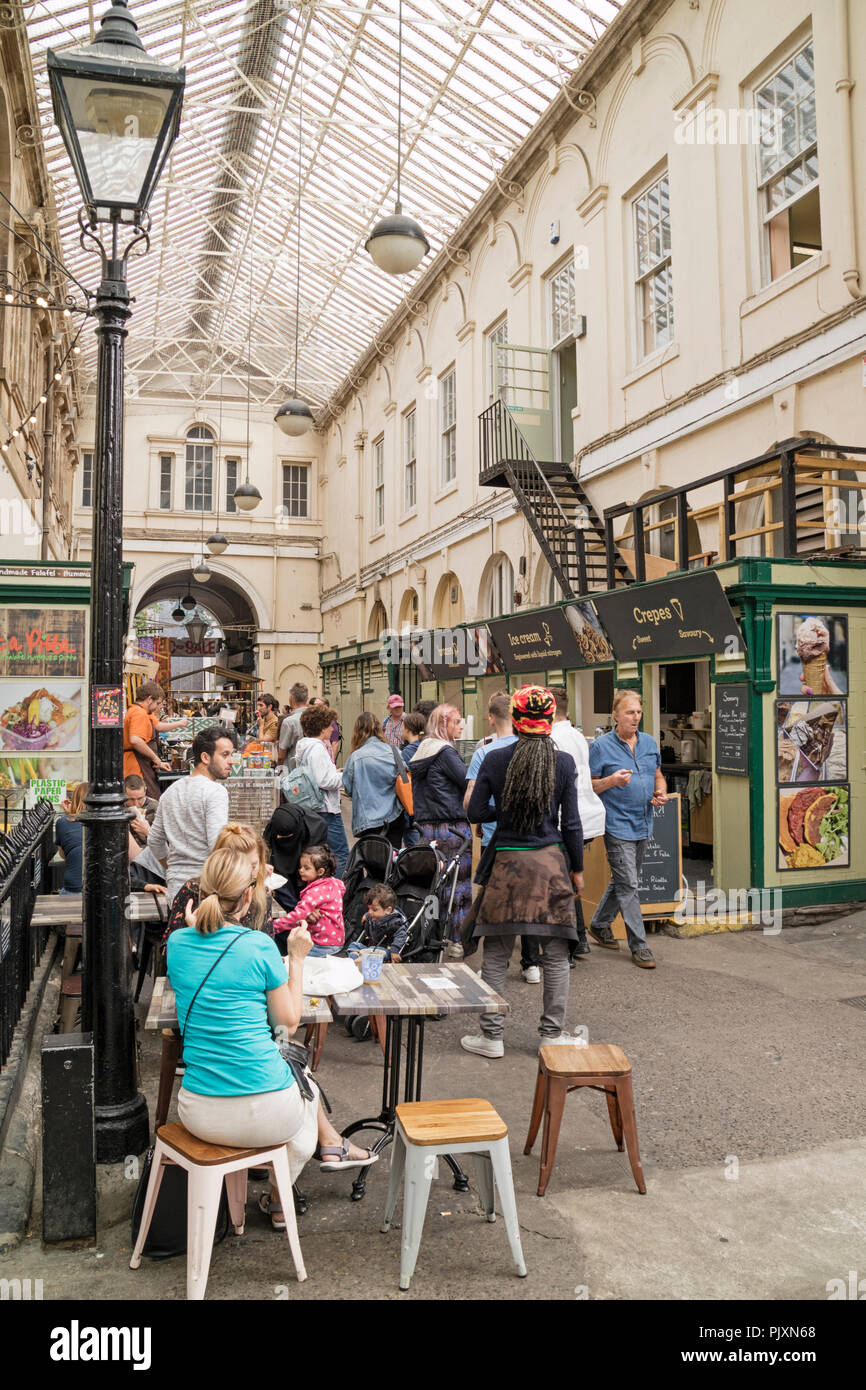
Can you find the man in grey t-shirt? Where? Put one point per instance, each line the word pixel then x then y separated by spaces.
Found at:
pixel 193 811
pixel 290 731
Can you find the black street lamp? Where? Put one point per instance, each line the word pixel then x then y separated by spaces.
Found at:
pixel 118 112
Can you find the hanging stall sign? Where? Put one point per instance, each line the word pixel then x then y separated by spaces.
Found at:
pixel 42 641
pixel 552 639
pixel 731 711
pixel 445 653
pixel 208 646
pixel 678 617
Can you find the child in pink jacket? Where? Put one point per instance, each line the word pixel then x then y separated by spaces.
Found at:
pixel 320 904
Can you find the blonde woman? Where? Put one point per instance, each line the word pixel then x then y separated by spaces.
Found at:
pixel 231 989
pixel 245 840
pixel 69 837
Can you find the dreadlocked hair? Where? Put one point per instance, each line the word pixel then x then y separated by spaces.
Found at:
pixel 530 783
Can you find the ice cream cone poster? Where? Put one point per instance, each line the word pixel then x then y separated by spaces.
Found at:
pixel 814 828
pixel 812 740
pixel 813 654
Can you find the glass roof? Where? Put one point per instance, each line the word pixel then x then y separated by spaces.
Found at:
pixel 221 270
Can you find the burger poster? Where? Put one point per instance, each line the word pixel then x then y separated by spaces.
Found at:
pixel 814 828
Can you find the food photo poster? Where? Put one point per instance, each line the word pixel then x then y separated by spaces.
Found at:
pixel 812 741
pixel 814 828
pixel 39 719
pixel 813 654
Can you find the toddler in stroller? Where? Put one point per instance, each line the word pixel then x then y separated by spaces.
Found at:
pixel 383 925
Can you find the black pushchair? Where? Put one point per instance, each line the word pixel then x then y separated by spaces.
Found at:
pixel 421 879
pixel 368 866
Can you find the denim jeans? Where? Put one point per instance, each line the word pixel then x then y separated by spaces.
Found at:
pixel 554 966
pixel 337 842
pixel 325 950
pixel 621 895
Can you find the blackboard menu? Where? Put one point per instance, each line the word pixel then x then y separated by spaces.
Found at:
pixel 661 871
pixel 731 720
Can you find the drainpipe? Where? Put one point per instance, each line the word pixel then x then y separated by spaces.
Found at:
pixel 360 441
pixel 845 86
pixel 47 451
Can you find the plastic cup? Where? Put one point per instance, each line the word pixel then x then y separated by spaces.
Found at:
pixel 372 960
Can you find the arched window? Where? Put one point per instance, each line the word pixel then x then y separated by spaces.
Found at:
pixel 199 469
pixel 500 588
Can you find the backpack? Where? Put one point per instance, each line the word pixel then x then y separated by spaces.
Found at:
pixel 300 788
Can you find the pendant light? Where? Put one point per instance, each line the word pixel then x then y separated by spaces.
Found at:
pixel 397 243
pixel 294 416
pixel 178 614
pixel 216 542
pixel 247 496
pixel 201 573
pixel 188 602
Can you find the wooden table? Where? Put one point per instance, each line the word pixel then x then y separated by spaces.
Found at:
pixel 162 1010
pixel 405 991
pixel 64 909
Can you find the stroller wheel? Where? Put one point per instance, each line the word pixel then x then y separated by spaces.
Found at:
pixel 348 1022
pixel 360 1027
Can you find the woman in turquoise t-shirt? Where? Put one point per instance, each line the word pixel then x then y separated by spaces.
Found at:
pixel 231 988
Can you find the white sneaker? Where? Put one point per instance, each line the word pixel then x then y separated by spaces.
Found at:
pixel 453 950
pixel 532 975
pixel 561 1038
pixel 485 1047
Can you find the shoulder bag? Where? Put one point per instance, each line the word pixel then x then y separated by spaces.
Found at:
pixel 300 788
pixel 167 1234
pixel 403 784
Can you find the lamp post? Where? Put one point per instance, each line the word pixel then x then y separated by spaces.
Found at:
pixel 118 112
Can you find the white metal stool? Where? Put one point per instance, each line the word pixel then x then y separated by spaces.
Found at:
pixel 423 1130
pixel 206 1166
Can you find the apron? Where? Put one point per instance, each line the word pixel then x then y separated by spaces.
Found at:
pixel 148 770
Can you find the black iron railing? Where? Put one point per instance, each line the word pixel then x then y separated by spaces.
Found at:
pixel 567 529
pixel 24 854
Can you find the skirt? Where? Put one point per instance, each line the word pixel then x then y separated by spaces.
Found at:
pixel 529 892
pixel 447 842
pixel 255 1121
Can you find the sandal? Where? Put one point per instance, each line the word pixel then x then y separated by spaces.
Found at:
pixel 343 1160
pixel 269 1208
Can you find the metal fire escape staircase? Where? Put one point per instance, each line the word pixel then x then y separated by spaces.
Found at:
pixel 563 520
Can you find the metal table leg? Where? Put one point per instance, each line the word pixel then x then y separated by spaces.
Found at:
pixel 390 1098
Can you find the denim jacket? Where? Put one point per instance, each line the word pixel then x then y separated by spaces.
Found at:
pixel 369 777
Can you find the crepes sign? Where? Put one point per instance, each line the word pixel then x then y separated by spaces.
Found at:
pixel 678 617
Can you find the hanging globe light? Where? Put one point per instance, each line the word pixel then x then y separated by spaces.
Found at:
pixel 397 243
pixel 178 614
pixel 201 573
pixel 188 602
pixel 294 417
pixel 246 496
pixel 216 543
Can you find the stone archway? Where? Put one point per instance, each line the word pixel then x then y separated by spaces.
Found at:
pixel 448 607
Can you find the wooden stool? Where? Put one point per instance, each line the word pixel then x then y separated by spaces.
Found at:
pixel 563 1068
pixel 315 1039
pixel 70 1002
pixel 206 1166
pixel 71 949
pixel 423 1130
pixel 167 1074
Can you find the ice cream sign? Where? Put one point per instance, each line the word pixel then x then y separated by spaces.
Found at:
pixel 688 617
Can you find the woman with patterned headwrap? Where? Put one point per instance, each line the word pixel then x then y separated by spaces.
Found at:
pixel 533 868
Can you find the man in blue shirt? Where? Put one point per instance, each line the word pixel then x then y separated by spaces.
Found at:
pixel 499 716
pixel 626 774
